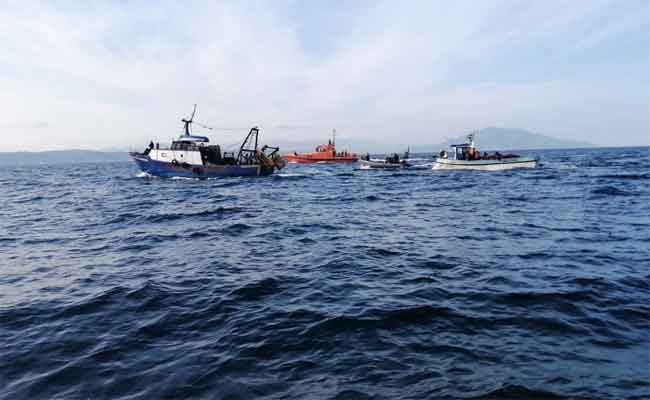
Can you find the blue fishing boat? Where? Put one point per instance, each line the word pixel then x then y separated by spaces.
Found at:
pixel 191 156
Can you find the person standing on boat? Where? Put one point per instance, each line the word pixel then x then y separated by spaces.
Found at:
pixel 148 149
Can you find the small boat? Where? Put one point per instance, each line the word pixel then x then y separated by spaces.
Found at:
pixel 382 164
pixel 190 156
pixel 391 162
pixel 466 156
pixel 324 154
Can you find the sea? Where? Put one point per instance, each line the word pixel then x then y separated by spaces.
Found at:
pixel 328 282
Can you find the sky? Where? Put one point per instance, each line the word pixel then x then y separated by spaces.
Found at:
pixel 116 74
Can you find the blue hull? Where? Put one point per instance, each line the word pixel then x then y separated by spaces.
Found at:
pixel 168 170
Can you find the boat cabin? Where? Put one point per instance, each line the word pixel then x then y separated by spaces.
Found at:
pixel 326 148
pixel 191 142
pixel 461 151
pixel 192 150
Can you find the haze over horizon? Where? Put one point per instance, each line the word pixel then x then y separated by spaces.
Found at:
pixel 113 74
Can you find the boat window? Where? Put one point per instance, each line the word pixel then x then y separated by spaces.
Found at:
pixel 184 146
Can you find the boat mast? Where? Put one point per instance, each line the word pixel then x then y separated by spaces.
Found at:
pixel 470 138
pixel 250 140
pixel 189 122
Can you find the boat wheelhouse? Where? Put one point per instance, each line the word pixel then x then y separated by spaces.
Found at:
pixel 191 156
pixel 466 156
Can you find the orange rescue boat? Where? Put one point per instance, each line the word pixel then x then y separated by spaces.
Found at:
pixel 325 153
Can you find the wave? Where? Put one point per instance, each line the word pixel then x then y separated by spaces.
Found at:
pixel 379 319
pixel 351 394
pixel 319 226
pixel 145 175
pixel 219 211
pixel 236 229
pixel 435 264
pixel 633 177
pixel 130 218
pixel 50 241
pixel 517 392
pixel 542 298
pixel 381 252
pixel 91 305
pixel 290 176
pixel 610 191
pixel 538 177
pixel 203 233
pixel 258 290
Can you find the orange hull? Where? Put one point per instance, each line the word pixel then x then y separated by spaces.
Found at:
pixel 318 158
pixel 324 154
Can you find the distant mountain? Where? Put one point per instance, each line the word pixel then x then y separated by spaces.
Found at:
pixel 516 139
pixel 486 139
pixel 61 157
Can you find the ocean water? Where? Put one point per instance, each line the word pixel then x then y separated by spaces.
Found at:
pixel 327 282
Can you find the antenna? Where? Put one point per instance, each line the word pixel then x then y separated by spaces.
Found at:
pixel 334 137
pixel 470 138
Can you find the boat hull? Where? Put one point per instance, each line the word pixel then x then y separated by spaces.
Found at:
pixel 381 165
pixel 291 159
pixel 169 170
pixel 485 165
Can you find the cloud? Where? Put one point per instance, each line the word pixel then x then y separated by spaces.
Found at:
pixel 112 74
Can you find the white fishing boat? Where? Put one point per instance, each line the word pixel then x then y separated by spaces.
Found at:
pixel 466 156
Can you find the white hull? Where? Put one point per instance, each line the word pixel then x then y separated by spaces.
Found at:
pixel 381 165
pixel 485 165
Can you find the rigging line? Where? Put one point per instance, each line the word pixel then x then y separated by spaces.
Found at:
pixel 203 126
pixel 222 128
